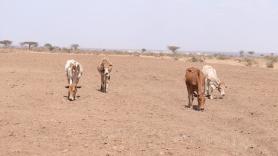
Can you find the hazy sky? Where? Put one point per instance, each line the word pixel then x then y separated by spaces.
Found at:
pixel 208 25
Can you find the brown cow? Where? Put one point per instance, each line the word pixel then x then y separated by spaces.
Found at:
pixel 195 83
pixel 104 69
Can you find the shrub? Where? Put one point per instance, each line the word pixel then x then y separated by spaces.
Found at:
pixel 249 62
pixel 222 57
pixel 270 64
pixel 197 59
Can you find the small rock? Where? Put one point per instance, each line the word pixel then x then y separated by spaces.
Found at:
pixel 11 134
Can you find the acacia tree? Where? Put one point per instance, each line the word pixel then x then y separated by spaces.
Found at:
pixel 251 52
pixel 173 49
pixel 30 44
pixel 74 46
pixel 49 46
pixel 143 50
pixel 6 43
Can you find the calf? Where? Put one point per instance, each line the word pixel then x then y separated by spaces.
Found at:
pixel 195 83
pixel 104 69
pixel 212 81
pixel 74 72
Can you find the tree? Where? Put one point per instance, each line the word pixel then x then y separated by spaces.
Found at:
pixel 74 46
pixel 49 46
pixel 241 53
pixel 30 44
pixel 6 43
pixel 251 52
pixel 173 49
pixel 143 50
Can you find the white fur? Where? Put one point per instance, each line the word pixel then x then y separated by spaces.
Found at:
pixel 73 77
pixel 211 80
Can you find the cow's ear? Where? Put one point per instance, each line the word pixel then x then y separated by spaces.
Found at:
pixel 100 68
pixel 110 67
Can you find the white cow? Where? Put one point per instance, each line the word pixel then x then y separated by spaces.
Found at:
pixel 74 72
pixel 212 81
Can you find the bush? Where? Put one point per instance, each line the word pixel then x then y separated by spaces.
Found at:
pixel 197 59
pixel 271 58
pixel 249 62
pixel 222 57
pixel 270 64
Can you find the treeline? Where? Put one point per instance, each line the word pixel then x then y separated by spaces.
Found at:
pixel 32 44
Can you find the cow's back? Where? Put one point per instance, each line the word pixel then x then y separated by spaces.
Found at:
pixel 195 79
pixel 191 76
pixel 210 73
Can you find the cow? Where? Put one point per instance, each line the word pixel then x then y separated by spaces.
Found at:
pixel 104 68
pixel 195 83
pixel 74 72
pixel 212 82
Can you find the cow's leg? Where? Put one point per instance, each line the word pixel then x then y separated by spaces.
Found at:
pixel 68 94
pixel 206 87
pixel 210 92
pixel 210 89
pixel 190 97
pixel 107 85
pixel 102 83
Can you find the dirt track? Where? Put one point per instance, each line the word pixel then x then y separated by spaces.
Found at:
pixel 143 114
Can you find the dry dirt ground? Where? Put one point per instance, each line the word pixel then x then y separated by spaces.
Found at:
pixel 143 113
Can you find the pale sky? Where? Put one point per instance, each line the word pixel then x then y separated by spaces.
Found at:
pixel 206 25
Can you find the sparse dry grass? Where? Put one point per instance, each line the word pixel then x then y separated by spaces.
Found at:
pixel 270 61
pixel 262 61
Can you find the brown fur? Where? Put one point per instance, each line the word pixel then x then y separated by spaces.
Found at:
pixel 105 65
pixel 195 82
pixel 72 91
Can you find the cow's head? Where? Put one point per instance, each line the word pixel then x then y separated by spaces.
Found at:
pixel 201 101
pixel 72 92
pixel 221 88
pixel 105 67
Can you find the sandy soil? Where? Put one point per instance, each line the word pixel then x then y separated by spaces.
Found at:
pixel 143 114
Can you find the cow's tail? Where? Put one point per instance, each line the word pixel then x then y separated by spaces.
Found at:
pixel 201 83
